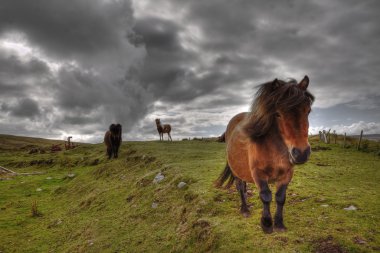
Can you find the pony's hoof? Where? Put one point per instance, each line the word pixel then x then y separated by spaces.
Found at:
pixel 245 213
pixel 267 225
pixel 280 228
pixel 279 225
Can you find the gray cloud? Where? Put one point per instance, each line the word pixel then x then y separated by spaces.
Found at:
pixel 26 107
pixel 72 58
pixel 64 29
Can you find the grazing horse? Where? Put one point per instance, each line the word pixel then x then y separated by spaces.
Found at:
pixel 264 145
pixel 163 129
pixel 112 139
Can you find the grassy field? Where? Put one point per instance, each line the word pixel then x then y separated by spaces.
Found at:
pixel 86 203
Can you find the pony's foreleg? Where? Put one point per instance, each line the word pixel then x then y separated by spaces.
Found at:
pixel 169 136
pixel 266 198
pixel 280 201
pixel 241 188
pixel 109 152
pixel 116 154
pixel 114 150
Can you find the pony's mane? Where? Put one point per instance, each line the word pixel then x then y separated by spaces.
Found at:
pixel 116 129
pixel 269 97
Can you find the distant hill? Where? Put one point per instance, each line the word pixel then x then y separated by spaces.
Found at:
pixel 12 142
pixel 372 137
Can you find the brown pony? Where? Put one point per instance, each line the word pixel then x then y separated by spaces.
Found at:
pixel 264 145
pixel 163 129
pixel 112 139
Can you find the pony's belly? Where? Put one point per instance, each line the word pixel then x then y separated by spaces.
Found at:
pixel 237 156
pixel 242 172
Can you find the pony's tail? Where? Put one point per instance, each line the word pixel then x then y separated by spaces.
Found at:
pixel 222 138
pixel 224 176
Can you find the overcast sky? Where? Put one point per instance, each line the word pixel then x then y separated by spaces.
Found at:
pixel 74 67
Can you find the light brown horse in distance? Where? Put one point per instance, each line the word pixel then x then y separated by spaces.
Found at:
pixel 163 129
pixel 264 145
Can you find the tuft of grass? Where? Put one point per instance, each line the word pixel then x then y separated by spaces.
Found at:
pixel 34 209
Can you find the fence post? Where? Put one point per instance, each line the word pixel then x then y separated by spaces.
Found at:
pixel 344 141
pixel 335 135
pixel 324 136
pixel 360 139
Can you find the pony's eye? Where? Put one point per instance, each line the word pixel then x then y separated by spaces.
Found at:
pixel 277 115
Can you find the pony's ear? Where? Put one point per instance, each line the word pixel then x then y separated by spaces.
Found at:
pixel 304 83
pixel 275 83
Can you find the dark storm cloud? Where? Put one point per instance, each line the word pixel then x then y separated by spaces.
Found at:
pixel 12 65
pixel 167 70
pixel 72 58
pixel 24 107
pixel 66 28
pixel 158 34
pixel 331 41
pixel 16 74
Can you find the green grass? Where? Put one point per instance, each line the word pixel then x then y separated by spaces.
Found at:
pixel 107 205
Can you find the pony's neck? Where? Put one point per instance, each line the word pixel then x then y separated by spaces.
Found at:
pixel 272 141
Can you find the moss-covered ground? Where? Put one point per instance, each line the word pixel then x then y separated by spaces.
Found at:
pixel 86 203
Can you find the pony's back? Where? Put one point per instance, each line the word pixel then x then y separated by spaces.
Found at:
pixel 167 128
pixel 234 122
pixel 107 138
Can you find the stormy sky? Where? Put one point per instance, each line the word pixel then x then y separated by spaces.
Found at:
pixel 74 67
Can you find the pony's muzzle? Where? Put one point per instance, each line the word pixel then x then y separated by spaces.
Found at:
pixel 298 157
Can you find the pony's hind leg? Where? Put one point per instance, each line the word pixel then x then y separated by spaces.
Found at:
pixel 241 187
pixel 169 136
pixel 280 201
pixel 266 198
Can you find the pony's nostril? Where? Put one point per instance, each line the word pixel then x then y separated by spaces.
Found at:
pixel 299 156
pixel 296 153
pixel 307 151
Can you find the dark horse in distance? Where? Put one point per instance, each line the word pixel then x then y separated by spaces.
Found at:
pixel 112 139
pixel 264 145
pixel 163 129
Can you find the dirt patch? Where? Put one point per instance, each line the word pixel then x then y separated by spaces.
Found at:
pixel 359 240
pixel 41 162
pixel 130 198
pixel 144 182
pixel 327 245
pixel 190 196
pixel 103 171
pixel 94 162
pixel 319 148
pixel 322 164
pixel 201 230
pixel 131 152
pixel 134 159
pixel 60 190
pixel 218 198
pixel 148 159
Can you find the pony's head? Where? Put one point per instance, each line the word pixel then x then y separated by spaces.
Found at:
pixel 283 107
pixel 158 121
pixel 118 128
pixel 112 128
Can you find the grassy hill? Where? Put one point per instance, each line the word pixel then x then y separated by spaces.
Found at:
pixel 86 203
